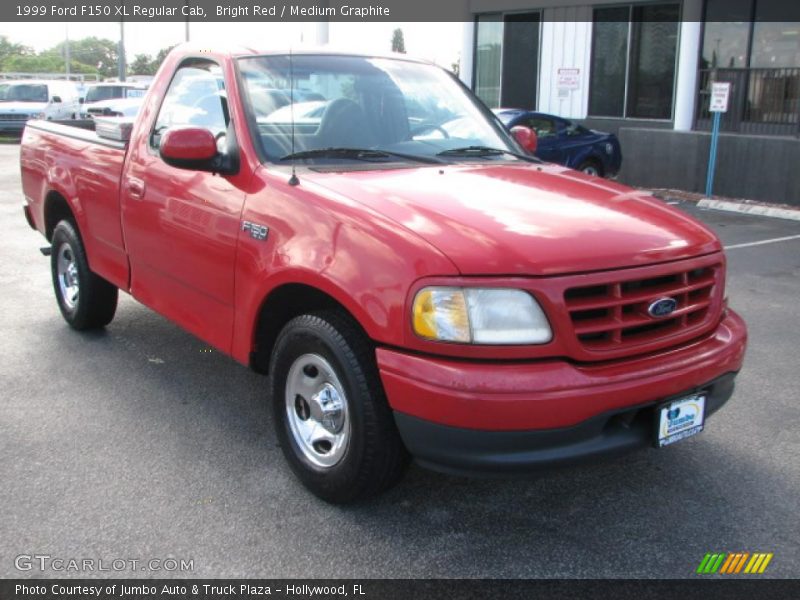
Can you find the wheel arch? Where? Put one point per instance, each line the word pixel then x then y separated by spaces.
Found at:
pixel 57 208
pixel 283 303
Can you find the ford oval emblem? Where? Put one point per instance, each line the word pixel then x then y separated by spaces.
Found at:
pixel 663 307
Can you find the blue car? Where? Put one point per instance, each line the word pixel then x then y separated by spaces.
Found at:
pixel 566 143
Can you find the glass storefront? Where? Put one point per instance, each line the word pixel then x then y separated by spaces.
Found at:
pixel 507 59
pixel 633 61
pixel 755 46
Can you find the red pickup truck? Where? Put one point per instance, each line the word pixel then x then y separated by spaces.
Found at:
pixel 364 230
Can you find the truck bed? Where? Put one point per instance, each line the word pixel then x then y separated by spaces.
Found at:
pixel 69 159
pixel 79 129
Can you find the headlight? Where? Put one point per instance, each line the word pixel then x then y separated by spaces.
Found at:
pixel 40 115
pixel 479 316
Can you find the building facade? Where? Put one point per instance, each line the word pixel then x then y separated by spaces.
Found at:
pixel 644 71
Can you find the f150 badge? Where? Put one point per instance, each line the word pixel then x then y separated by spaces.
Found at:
pixel 257 232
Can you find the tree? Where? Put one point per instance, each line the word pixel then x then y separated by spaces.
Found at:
pixel 142 65
pixel 9 50
pixel 44 63
pixel 160 56
pixel 101 54
pixel 398 43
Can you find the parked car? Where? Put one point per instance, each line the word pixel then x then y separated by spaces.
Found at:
pixel 23 100
pixel 566 143
pixel 116 107
pixel 103 92
pixel 448 298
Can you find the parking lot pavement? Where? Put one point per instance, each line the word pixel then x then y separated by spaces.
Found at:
pixel 134 443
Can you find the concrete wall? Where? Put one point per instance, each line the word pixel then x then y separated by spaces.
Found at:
pixel 611 125
pixel 754 167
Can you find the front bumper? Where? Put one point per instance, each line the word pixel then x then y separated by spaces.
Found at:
pixel 498 417
pixel 469 451
pixel 12 126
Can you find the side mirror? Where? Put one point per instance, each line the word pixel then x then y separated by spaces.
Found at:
pixel 56 100
pixel 526 137
pixel 189 148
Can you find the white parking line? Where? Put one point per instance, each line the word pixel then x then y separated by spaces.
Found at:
pixel 762 242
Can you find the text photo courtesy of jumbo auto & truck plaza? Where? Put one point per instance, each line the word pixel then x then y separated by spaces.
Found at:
pixel 387 300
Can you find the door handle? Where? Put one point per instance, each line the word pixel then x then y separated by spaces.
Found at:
pixel 135 187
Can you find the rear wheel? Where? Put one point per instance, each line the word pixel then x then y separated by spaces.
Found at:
pixel 86 300
pixel 330 413
pixel 591 167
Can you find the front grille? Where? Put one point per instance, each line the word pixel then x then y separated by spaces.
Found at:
pixel 612 315
pixel 106 112
pixel 13 117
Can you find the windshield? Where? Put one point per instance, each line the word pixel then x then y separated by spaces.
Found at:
pixel 349 102
pixel 23 92
pixel 104 92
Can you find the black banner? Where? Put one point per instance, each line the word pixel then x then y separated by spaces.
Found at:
pixel 391 589
pixel 293 10
pixel 235 10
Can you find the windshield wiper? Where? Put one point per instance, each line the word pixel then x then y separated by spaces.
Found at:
pixel 365 154
pixel 481 151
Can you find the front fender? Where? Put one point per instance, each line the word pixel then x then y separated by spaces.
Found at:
pixel 360 258
pixel 580 155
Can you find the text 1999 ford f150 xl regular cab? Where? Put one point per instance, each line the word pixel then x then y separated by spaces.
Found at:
pixel 365 231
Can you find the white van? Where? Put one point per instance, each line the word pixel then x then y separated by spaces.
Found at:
pixel 36 99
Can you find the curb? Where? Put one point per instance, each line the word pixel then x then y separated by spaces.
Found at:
pixel 760 210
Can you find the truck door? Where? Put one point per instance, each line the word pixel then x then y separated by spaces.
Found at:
pixel 181 225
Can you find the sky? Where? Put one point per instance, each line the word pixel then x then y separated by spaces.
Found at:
pixel 438 42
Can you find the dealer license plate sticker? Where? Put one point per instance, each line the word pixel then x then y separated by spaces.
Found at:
pixel 680 419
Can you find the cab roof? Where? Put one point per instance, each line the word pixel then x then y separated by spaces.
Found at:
pixel 238 51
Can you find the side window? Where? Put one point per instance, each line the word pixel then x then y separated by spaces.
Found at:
pixel 574 130
pixel 195 98
pixel 542 126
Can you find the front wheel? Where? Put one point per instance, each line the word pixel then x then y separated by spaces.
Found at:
pixel 330 413
pixel 86 300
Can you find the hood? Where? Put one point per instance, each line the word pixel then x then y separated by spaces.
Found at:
pixel 23 107
pixel 526 219
pixel 126 106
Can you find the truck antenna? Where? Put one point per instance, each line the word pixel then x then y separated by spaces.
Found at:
pixel 293 180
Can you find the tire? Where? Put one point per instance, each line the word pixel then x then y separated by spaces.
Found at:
pixel 591 167
pixel 330 413
pixel 86 300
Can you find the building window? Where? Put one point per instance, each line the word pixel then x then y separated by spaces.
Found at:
pixel 758 34
pixel 507 59
pixel 609 62
pixel 633 61
pixel 488 58
pixel 727 34
pixel 755 46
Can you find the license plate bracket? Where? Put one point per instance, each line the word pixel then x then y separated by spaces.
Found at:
pixel 680 418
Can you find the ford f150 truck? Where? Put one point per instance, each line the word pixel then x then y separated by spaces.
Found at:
pixel 412 282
